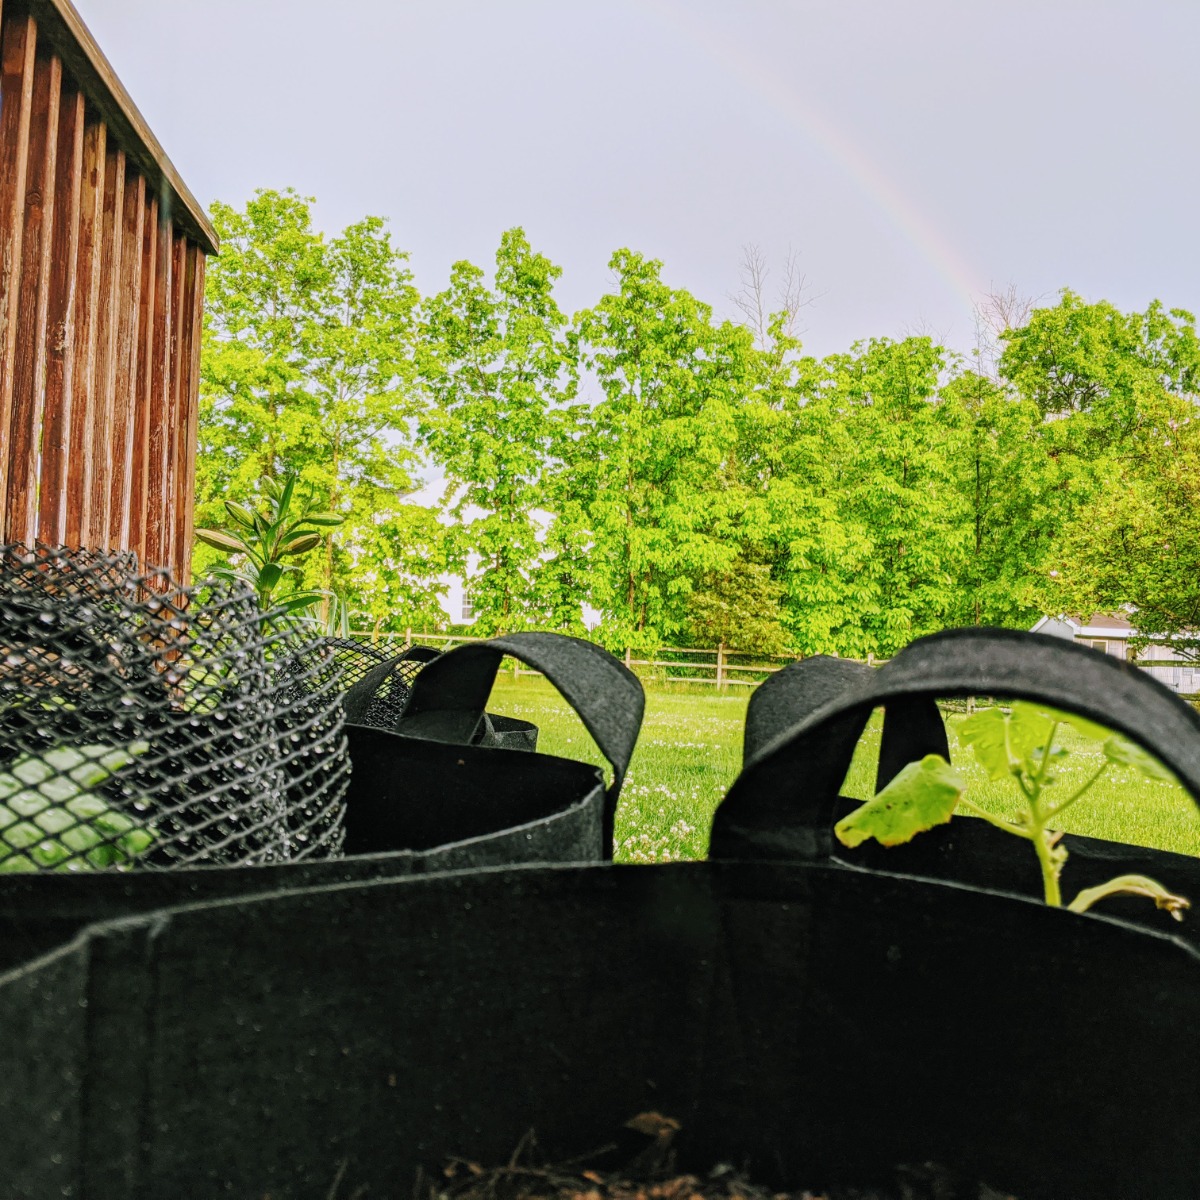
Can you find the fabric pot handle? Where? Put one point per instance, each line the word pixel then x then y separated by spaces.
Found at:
pixel 448 696
pixel 910 730
pixel 782 804
pixel 357 699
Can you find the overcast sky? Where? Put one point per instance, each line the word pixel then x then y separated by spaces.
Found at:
pixel 915 153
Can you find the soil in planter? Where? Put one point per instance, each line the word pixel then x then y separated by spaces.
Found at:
pixel 650 1174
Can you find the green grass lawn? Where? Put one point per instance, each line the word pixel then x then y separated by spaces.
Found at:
pixel 690 751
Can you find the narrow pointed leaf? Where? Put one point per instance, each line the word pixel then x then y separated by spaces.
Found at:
pixel 300 600
pixel 1132 885
pixel 221 541
pixel 285 497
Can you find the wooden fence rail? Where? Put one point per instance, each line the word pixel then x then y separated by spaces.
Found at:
pixel 721 672
pixel 102 252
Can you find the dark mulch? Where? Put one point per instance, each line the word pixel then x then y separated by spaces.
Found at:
pixel 650 1175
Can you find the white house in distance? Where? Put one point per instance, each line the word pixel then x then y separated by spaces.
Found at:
pixel 456 599
pixel 1112 635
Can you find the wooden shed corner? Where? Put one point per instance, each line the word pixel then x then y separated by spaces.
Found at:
pixel 102 253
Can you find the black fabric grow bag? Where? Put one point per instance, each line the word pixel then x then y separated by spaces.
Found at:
pixel 435 780
pixel 817 1021
pixel 415 803
pixel 822 694
pixel 355 661
pixel 380 697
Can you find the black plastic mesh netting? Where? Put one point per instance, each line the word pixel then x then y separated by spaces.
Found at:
pixel 354 660
pixel 147 725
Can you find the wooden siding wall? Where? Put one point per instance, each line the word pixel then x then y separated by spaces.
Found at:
pixel 101 301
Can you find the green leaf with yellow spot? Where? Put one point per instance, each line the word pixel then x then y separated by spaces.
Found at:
pixel 923 795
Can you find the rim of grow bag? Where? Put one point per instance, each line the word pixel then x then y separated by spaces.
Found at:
pixel 783 802
pixel 449 696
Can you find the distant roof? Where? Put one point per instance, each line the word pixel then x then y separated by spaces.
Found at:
pixel 1097 625
pixel 1099 621
pixel 72 41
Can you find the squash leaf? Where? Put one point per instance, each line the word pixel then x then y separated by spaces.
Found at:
pixel 986 733
pixel 923 795
pixel 1123 752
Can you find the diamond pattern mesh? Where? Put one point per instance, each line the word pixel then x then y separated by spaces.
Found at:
pixel 354 660
pixel 144 724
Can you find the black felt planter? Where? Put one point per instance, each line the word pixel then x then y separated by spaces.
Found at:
pixel 818 1022
pixel 815 1020
pixel 824 702
pixel 423 797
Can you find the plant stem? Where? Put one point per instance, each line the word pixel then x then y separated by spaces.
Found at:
pixel 1049 867
pixel 1071 799
pixel 999 822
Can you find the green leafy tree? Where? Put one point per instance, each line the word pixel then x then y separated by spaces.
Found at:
pixel 1119 392
pixel 496 365
pixel 868 541
pixel 1083 358
pixel 1105 381
pixel 400 558
pixel 1140 542
pixel 307 361
pixel 1009 497
pixel 740 609
pixel 647 477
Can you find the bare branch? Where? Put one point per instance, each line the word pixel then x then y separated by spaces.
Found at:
pixel 995 314
pixel 750 297
pixel 795 293
pixel 752 301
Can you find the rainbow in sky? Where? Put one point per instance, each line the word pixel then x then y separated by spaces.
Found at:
pixel 879 190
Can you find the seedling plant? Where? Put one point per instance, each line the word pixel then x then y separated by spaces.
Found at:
pixel 280 528
pixel 1017 745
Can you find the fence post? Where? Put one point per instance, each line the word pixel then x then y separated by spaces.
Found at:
pixel 408 636
pixel 870 658
pixel 720 666
pixel 628 657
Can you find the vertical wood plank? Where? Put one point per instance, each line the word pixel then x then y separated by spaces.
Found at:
pixel 83 371
pixel 175 436
pixel 60 320
pixel 29 356
pixel 18 42
pixel 159 407
pixel 128 312
pixel 139 456
pixel 185 496
pixel 107 320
